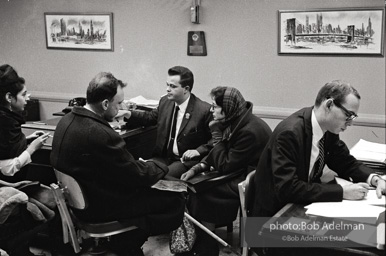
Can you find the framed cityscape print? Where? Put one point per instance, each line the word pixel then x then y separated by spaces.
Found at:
pixel 79 31
pixel 353 31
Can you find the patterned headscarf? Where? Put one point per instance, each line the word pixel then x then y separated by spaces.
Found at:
pixel 234 106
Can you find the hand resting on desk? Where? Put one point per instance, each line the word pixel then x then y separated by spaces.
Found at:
pixel 381 187
pixel 34 135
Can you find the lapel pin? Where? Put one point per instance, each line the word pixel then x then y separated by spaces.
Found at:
pixel 187 115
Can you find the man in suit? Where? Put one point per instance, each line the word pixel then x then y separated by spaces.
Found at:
pixel 183 143
pixel 292 163
pixel 115 184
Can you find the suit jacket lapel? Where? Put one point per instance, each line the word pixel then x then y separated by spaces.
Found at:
pixel 308 138
pixel 188 113
pixel 169 108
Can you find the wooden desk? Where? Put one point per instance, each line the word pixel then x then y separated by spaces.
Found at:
pixel 295 214
pixel 140 142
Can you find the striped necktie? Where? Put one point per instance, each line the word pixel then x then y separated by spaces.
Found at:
pixel 319 163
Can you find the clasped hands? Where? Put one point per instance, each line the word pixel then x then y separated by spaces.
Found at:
pixel 216 128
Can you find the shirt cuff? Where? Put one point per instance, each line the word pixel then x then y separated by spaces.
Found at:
pixel 24 158
pixel 370 178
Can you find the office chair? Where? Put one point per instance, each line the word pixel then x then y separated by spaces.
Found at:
pixel 217 180
pixel 68 192
pixel 244 192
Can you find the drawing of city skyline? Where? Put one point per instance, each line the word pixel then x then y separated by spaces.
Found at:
pixel 79 31
pixel 341 32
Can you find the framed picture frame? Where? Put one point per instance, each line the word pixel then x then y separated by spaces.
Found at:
pixel 347 31
pixel 79 31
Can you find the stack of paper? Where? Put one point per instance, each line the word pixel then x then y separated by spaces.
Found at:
pixel 345 209
pixel 142 101
pixel 370 153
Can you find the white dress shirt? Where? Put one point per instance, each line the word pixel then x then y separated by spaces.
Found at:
pixel 9 167
pixel 317 134
pixel 180 117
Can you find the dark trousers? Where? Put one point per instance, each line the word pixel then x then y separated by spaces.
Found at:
pixel 176 167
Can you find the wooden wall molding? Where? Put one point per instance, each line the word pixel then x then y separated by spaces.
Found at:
pixel 53 97
pixel 368 120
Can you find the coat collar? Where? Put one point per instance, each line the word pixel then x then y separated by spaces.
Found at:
pixel 81 111
pixel 5 112
pixel 242 120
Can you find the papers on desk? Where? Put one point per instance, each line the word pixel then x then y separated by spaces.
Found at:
pixel 142 101
pixel 371 206
pixel 372 154
pixel 371 198
pixel 346 208
pixel 39 126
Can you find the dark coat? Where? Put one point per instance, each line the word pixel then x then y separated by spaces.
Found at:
pixel 117 186
pixel 249 135
pixel 12 141
pixel 282 174
pixel 194 132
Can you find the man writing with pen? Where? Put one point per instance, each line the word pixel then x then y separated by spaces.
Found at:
pixel 292 163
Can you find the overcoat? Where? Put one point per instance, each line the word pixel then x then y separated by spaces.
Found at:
pixel 115 184
pixel 12 141
pixel 249 135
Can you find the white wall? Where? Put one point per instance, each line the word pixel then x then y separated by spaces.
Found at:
pixel 151 35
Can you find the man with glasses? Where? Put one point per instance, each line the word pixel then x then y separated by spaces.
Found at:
pixel 182 121
pixel 292 163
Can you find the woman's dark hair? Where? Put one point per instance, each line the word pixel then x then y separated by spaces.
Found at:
pixel 10 82
pixel 218 95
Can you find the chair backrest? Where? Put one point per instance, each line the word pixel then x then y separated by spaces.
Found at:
pixel 249 190
pixel 72 191
pixel 246 192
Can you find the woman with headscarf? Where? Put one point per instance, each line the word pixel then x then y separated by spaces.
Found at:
pixel 15 148
pixel 239 138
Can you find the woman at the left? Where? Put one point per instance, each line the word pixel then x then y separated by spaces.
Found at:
pixel 15 148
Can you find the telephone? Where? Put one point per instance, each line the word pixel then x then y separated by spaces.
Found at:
pixel 78 101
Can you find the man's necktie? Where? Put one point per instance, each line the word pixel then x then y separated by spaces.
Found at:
pixel 319 163
pixel 173 131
